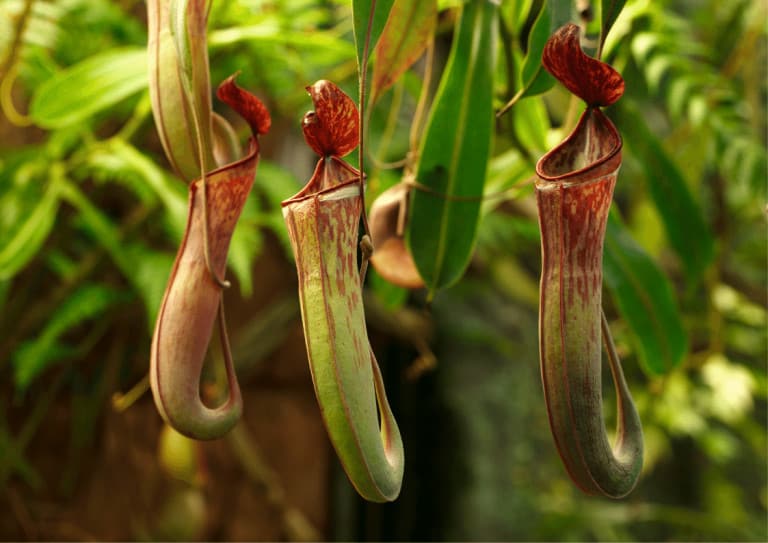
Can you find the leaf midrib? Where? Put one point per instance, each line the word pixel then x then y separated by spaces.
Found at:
pixel 455 158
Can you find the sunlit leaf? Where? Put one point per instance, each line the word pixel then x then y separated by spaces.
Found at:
pixel 454 152
pixel 609 11
pixel 364 22
pixel 89 87
pixel 643 296
pixel 408 31
pixel 687 231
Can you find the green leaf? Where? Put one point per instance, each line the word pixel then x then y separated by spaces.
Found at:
pixel 145 269
pixel 246 245
pixel 643 296
pixel 85 303
pixel 533 78
pixel 169 191
pixel 149 277
pixel 516 13
pixel 687 231
pixel 361 15
pixel 409 29
pixel 454 152
pixel 26 240
pixel 89 87
pixel 609 12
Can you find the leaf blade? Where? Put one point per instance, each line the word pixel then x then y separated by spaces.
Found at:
pixel 684 223
pixel 644 297
pixel 361 17
pixel 84 304
pixel 408 31
pixel 454 153
pixel 82 90
pixel 609 12
pixel 27 240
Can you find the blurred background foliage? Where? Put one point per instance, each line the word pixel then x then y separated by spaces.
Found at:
pixel 90 216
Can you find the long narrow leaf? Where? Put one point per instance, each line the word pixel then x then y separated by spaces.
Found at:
pixel 93 85
pixel 409 29
pixel 27 239
pixel 361 15
pixel 609 12
pixel 34 356
pixel 533 79
pixel 643 296
pixel 454 153
pixel 687 231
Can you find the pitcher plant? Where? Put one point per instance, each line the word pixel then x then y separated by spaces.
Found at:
pixel 199 146
pixel 323 226
pixel 573 192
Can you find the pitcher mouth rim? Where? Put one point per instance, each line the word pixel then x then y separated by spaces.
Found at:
pixel 307 193
pixel 545 179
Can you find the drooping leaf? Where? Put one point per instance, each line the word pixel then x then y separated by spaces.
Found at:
pixel 454 152
pixel 363 23
pixel 408 31
pixel 95 84
pixel 26 240
pixel 34 356
pixel 644 298
pixel 687 231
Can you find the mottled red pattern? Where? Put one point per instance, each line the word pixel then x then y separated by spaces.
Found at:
pixel 246 104
pixel 333 128
pixel 593 81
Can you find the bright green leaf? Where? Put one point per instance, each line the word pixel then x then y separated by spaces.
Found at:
pixel 643 296
pixel 454 152
pixel 89 87
pixel 365 25
pixel 609 12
